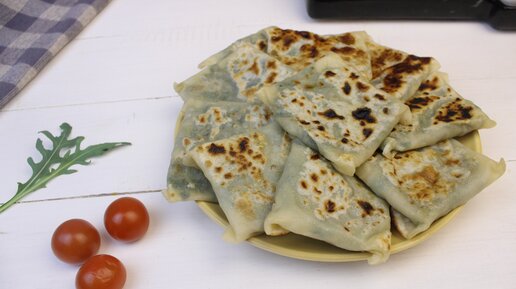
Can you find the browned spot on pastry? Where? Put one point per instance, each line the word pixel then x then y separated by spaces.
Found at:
pixel 262 45
pixel 245 207
pixel 329 73
pixel 304 34
pixel 330 114
pixel 346 88
pixel 287 41
pixel 454 111
pixel 353 75
pixel 347 39
pixel 362 87
pixel 215 149
pixel 452 162
pixel 254 68
pixel 367 132
pixel 391 83
pixel 363 113
pixel 387 55
pixel 379 96
pixel 343 50
pixel 329 206
pixel 429 84
pixel 271 77
pixel 243 144
pixel 366 207
pixel 429 174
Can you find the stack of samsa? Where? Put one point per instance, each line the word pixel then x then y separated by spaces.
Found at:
pixel 326 136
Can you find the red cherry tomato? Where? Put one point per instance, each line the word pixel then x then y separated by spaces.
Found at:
pixel 75 240
pixel 101 272
pixel 126 219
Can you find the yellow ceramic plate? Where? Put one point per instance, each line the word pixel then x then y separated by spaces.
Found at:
pixel 300 247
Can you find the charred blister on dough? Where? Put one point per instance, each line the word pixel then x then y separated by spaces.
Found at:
pixel 386 55
pixel 330 114
pixel 347 39
pixel 216 149
pixel 367 132
pixel 329 73
pixel 394 77
pixel 346 88
pixel 379 97
pixel 362 87
pixel 329 206
pixel 429 84
pixel 420 102
pixel 454 111
pixel 363 113
pixel 271 77
pixel 367 208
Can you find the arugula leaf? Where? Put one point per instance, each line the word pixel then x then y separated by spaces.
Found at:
pixel 57 161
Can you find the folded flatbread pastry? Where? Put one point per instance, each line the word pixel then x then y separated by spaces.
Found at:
pixel 438 113
pixel 201 121
pixel 187 184
pixel 425 184
pixel 236 77
pixel 383 57
pixel 403 79
pixel 334 111
pixel 396 72
pixel 243 171
pixel 298 49
pixel 316 201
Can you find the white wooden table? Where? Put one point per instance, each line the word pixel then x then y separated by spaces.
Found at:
pixel 114 83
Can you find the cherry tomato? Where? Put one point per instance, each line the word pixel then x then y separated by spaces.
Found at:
pixel 126 219
pixel 101 272
pixel 75 240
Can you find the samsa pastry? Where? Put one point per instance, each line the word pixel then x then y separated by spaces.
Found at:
pixel 203 121
pixel 438 113
pixel 236 77
pixel 299 49
pixel 243 171
pixel 316 201
pixel 403 79
pixel 396 72
pixel 334 111
pixel 425 184
pixel 187 184
pixel 199 122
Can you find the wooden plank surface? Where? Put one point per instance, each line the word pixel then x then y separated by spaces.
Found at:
pixel 114 83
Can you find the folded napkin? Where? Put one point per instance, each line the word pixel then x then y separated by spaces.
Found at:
pixel 32 32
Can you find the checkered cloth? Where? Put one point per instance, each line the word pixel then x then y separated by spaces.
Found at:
pixel 32 32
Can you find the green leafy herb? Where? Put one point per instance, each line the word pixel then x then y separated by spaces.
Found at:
pixel 57 161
